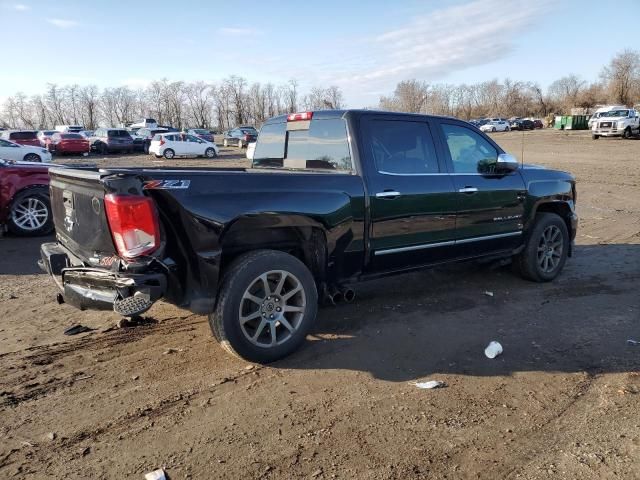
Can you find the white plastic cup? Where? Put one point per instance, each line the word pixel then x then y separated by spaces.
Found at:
pixel 493 349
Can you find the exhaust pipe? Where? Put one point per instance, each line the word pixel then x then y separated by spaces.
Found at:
pixel 349 295
pixel 333 295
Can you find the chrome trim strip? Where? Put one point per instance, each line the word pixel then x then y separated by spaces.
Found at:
pixel 489 237
pixel 413 247
pixel 447 243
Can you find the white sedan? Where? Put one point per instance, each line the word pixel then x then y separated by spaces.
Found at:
pixel 27 153
pixel 176 144
pixel 495 125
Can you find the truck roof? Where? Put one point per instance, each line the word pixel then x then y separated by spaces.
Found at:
pixel 328 114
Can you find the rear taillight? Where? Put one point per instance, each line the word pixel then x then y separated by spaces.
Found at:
pixel 247 138
pixel 134 224
pixel 161 141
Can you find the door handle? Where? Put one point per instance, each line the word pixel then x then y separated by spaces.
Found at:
pixel 468 190
pixel 389 194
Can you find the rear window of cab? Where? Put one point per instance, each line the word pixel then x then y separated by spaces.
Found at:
pixel 321 146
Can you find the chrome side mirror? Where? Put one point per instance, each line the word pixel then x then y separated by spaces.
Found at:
pixel 507 163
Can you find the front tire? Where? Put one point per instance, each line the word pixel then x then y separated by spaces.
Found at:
pixel 627 133
pixel 169 154
pixel 545 252
pixel 30 213
pixel 595 137
pixel 266 305
pixel 32 157
pixel 493 129
pixel 210 153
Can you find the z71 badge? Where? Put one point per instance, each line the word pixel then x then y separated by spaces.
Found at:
pixel 166 184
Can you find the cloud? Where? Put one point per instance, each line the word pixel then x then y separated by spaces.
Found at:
pixel 448 40
pixel 239 31
pixel 20 7
pixel 426 46
pixel 61 23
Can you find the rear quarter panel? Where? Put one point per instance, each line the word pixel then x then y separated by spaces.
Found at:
pixel 221 209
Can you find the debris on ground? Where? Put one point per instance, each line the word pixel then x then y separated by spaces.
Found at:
pixel 156 475
pixel 633 343
pixel 493 349
pixel 76 329
pixel 169 351
pixel 488 293
pixel 51 436
pixel 429 384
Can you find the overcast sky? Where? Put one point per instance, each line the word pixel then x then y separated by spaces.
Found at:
pixel 365 47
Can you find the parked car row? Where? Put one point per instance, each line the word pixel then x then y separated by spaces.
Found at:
pixel 505 125
pixel 137 137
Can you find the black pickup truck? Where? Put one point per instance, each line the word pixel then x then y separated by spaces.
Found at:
pixel 332 198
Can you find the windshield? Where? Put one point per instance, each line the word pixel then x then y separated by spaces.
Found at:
pixel 249 131
pixel 201 131
pixel 616 113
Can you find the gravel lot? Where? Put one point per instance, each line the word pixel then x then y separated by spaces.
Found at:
pixel 561 402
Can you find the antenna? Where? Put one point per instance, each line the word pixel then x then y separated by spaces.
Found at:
pixel 522 150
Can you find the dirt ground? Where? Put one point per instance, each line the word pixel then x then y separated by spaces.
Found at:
pixel 561 402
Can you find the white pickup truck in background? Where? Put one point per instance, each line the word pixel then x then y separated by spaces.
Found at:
pixel 622 122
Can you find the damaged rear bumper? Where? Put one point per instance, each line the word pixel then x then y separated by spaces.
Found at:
pixel 89 288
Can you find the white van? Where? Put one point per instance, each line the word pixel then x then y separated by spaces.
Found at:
pixel 144 123
pixel 69 128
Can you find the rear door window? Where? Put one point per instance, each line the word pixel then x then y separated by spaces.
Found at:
pixel 403 147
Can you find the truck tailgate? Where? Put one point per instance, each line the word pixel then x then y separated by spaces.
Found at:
pixel 77 202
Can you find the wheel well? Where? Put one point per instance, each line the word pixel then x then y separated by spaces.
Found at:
pixel 561 209
pixel 307 244
pixel 44 188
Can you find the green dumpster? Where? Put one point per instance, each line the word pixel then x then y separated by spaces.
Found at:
pixel 561 122
pixel 575 122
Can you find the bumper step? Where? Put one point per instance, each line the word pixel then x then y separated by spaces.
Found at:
pixel 132 306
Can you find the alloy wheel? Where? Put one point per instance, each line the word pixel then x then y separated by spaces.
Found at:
pixel 30 214
pixel 272 308
pixel 550 249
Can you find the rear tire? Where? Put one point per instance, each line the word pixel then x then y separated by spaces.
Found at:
pixel 103 149
pixel 546 249
pixel 169 154
pixel 32 157
pixel 30 213
pixel 266 334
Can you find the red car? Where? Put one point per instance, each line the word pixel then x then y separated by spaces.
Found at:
pixel 24 198
pixel 62 143
pixel 23 137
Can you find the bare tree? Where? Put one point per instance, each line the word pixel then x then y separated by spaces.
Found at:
pixel 622 77
pixel 565 91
